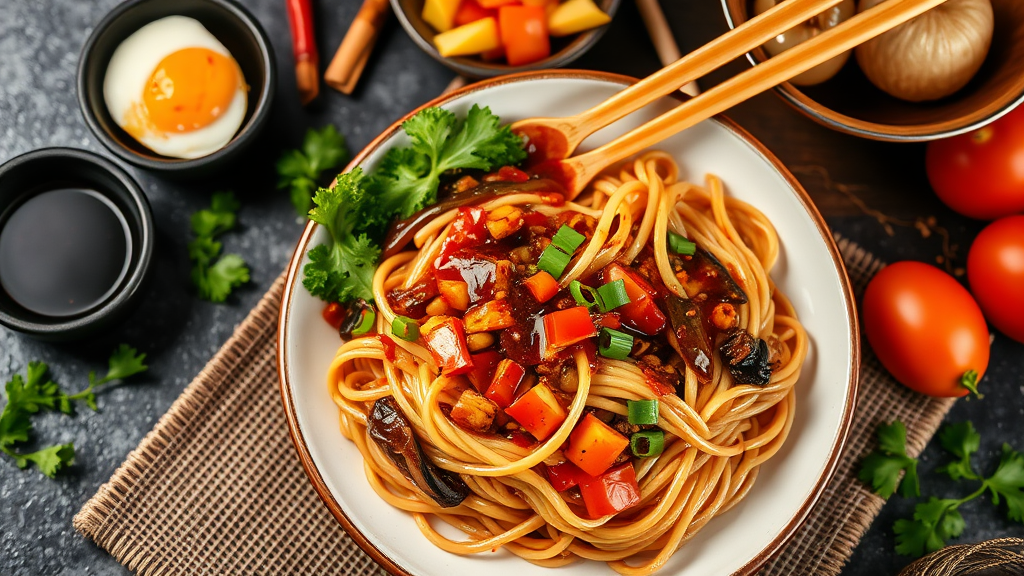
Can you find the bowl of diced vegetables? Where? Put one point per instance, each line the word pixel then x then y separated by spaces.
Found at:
pixel 484 38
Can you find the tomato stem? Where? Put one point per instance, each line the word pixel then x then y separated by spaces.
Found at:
pixel 970 381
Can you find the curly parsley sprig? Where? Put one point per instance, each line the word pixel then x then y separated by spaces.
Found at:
pixel 36 392
pixel 299 170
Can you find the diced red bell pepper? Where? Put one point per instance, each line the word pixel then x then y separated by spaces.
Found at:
pixel 542 285
pixel 532 218
pixel 538 411
pixel 565 475
pixel 495 3
pixel 507 377
pixel 594 445
pixel 611 492
pixel 566 327
pixel 521 439
pixel 642 312
pixel 471 11
pixel 334 314
pixel 507 174
pixel 468 230
pixel 484 365
pixel 389 346
pixel 446 339
pixel 524 33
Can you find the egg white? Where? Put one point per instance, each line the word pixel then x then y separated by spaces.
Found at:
pixel 134 61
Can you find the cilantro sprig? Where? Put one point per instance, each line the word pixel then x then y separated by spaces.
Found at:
pixel 359 207
pixel 299 170
pixel 214 277
pixel 938 520
pixel 36 392
pixel 881 468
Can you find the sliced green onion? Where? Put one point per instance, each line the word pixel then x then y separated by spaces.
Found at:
pixel 614 344
pixel 612 295
pixel 405 328
pixel 366 321
pixel 583 294
pixel 642 411
pixel 680 245
pixel 567 239
pixel 553 261
pixel 647 444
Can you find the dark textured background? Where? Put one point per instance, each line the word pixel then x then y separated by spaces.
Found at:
pixel 39 48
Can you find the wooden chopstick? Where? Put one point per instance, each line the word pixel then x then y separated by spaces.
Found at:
pixel 696 64
pixel 662 38
pixel 348 62
pixel 764 76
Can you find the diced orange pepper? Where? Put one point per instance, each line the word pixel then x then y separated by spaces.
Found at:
pixel 538 411
pixel 594 445
pixel 542 285
pixel 566 327
pixel 524 34
pixel 611 492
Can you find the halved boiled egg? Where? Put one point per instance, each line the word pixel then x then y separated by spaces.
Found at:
pixel 175 88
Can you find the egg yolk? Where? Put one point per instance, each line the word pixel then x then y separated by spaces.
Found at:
pixel 189 89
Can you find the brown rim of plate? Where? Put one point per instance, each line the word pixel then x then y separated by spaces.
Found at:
pixel 788 531
pixel 829 118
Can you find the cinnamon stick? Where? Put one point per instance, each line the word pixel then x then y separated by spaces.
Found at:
pixel 347 65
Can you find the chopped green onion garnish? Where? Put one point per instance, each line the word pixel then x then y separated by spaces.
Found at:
pixel 583 294
pixel 680 245
pixel 405 328
pixel 553 261
pixel 612 295
pixel 366 321
pixel 647 444
pixel 614 344
pixel 567 239
pixel 642 411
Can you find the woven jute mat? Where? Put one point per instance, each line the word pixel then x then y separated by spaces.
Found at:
pixel 216 488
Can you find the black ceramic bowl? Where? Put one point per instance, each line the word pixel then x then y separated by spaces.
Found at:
pixel 233 25
pixel 563 50
pixel 48 169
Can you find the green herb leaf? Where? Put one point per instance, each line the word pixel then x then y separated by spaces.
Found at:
pixel 49 460
pixel 215 278
pixel 216 282
pixel 218 218
pixel 1008 482
pixel 935 521
pixel 299 170
pixel 960 440
pixel 881 468
pixel 342 270
pixel 26 397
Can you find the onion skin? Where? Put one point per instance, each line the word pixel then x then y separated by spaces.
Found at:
pixel 931 56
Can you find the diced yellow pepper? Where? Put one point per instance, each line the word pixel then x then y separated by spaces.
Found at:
pixel 472 38
pixel 440 13
pixel 576 16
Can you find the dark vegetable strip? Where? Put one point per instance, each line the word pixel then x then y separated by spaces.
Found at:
pixel 693 341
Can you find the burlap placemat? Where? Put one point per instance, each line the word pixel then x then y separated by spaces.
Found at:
pixel 216 487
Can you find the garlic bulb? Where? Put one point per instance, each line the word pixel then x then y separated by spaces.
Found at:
pixel 931 56
pixel 797 34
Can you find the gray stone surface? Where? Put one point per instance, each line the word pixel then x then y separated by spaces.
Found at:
pixel 39 48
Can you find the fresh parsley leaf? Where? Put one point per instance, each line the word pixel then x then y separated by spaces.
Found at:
pixel 343 269
pixel 26 397
pixel 298 170
pixel 960 440
pixel 215 278
pixel 125 361
pixel 1008 482
pixel 935 521
pixel 408 178
pixel 881 468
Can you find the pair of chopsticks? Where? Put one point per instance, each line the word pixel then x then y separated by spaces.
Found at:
pixel 576 171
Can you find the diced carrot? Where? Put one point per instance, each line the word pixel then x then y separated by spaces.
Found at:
pixel 594 445
pixel 542 285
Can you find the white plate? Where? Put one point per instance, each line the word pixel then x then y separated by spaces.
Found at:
pixel 809 271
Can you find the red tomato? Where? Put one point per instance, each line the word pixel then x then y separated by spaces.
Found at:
pixel 995 269
pixel 334 314
pixel 925 328
pixel 981 174
pixel 524 34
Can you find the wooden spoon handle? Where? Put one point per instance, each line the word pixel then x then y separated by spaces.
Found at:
pixel 696 64
pixel 772 72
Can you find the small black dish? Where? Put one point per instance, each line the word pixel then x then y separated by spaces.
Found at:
pixel 233 25
pixel 31 175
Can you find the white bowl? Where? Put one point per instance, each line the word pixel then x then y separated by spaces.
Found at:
pixel 809 271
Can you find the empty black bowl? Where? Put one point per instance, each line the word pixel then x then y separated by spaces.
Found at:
pixel 236 29
pixel 29 175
